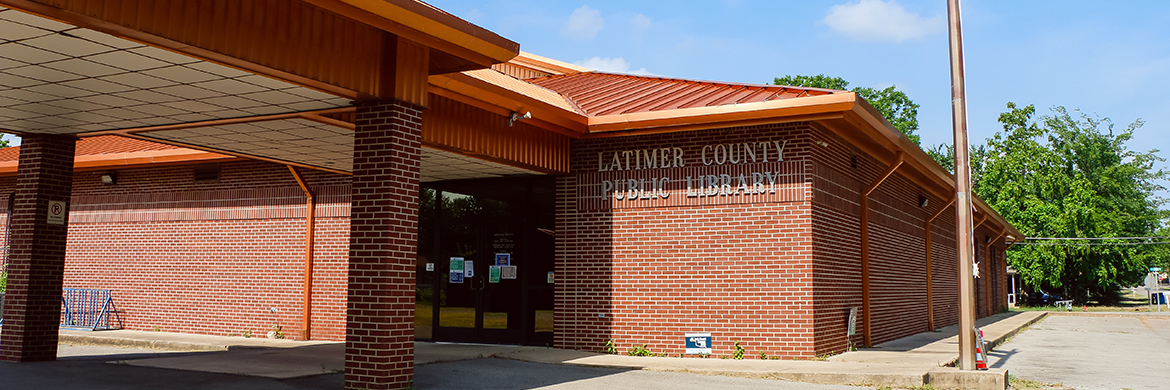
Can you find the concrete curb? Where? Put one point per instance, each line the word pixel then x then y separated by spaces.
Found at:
pixel 953 378
pixel 162 345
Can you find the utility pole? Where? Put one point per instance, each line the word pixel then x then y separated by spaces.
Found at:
pixel 963 218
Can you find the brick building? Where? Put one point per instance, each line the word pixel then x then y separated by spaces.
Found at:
pixel 218 192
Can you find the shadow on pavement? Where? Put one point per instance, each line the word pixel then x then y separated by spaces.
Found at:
pixel 94 372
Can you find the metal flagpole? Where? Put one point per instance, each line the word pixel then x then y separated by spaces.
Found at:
pixel 963 218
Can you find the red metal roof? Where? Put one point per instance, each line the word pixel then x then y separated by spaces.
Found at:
pixel 106 144
pixel 600 93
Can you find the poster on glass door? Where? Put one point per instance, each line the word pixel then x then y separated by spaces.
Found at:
pixel 456 275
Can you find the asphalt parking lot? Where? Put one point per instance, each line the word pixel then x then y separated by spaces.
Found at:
pixel 1091 352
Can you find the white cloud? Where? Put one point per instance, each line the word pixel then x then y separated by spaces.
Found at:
pixel 583 24
pixel 640 22
pixel 877 20
pixel 615 65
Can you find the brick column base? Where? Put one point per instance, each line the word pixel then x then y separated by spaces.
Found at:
pixel 36 262
pixel 379 343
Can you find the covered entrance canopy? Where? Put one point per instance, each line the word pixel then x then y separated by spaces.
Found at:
pixel 332 85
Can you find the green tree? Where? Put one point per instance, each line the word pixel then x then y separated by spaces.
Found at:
pixel 1061 176
pixel 893 104
pixel 944 155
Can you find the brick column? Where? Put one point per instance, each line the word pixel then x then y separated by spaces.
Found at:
pixel 379 342
pixel 36 263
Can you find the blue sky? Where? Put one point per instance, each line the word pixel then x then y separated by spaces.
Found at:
pixel 1111 59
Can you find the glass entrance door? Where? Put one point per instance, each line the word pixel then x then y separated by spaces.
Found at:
pixel 483 302
pixel 487 273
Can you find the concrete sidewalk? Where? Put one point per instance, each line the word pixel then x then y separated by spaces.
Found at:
pixel 908 362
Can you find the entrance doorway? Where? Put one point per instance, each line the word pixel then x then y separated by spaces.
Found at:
pixel 486 261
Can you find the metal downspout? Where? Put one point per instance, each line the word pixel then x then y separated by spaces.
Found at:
pixel 865 295
pixel 929 274
pixel 310 217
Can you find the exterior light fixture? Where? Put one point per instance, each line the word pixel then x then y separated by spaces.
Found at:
pixel 922 201
pixel 109 178
pixel 516 117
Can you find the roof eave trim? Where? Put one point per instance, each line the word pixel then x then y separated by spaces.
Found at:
pixel 779 110
pixel 418 21
pixel 547 65
pixel 507 99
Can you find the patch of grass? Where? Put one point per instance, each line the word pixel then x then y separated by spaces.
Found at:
pixel 1020 383
pixel 822 358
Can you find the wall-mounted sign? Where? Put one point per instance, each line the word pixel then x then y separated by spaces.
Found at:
pixel 57 212
pixel 550 277
pixel 503 259
pixel 718 173
pixel 468 269
pixel 698 343
pixel 852 327
pixel 508 272
pixel 430 267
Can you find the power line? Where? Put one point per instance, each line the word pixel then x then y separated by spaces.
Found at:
pixel 1096 238
pixel 1092 243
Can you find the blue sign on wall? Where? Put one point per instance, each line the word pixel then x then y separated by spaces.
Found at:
pixel 698 343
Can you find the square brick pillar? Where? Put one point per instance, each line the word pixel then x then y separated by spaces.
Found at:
pixel 36 263
pixel 379 341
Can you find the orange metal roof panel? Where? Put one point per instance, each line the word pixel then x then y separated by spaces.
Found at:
pixel 107 144
pixel 600 93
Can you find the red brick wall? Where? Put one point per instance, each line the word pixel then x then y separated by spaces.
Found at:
pixel 896 245
pixel 897 249
pixel 648 271
pixel 211 258
pixel 779 274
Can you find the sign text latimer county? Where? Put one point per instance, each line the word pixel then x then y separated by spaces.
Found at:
pixel 704 185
